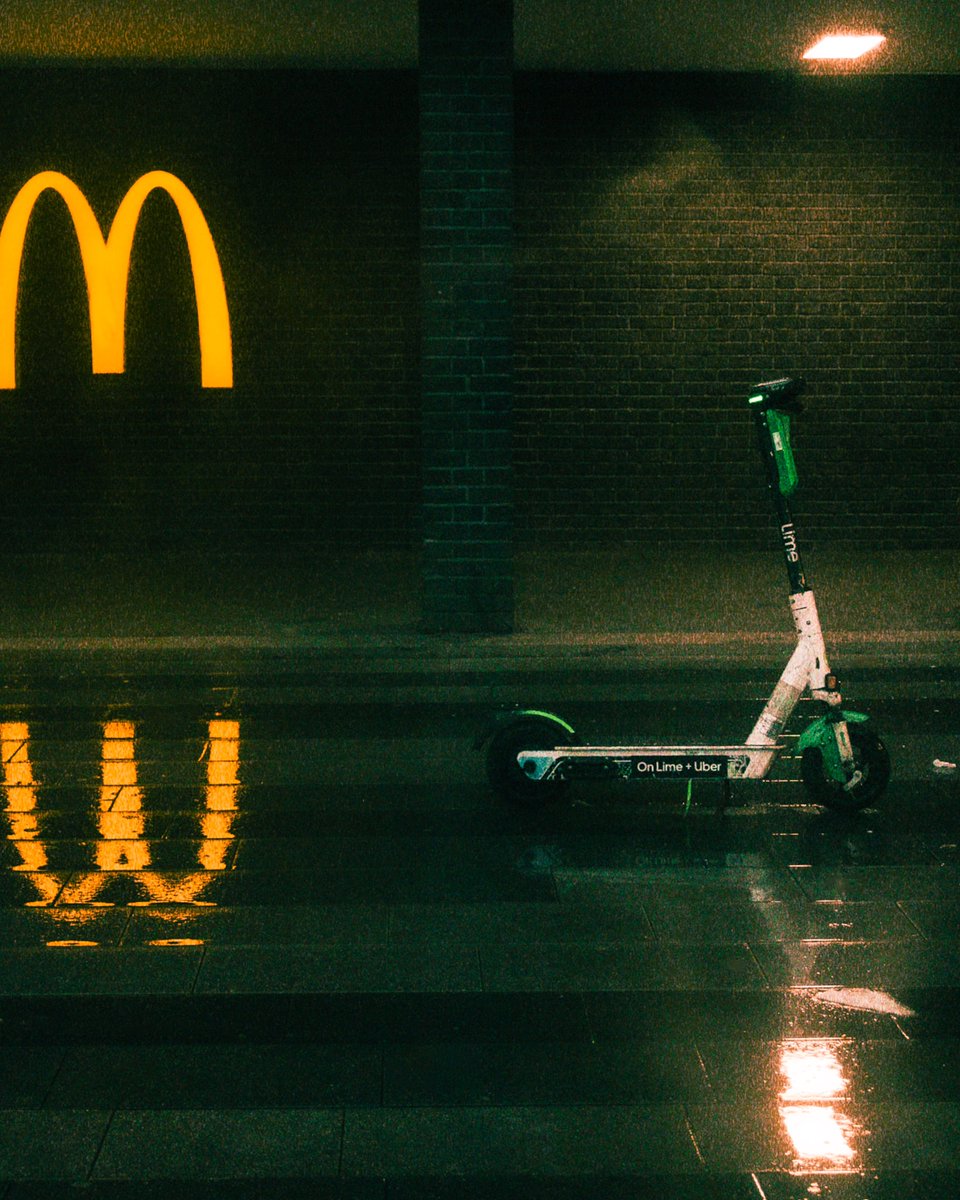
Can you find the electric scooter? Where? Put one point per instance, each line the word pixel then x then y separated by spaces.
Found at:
pixel 532 756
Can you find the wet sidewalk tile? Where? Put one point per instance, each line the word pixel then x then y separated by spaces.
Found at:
pixel 509 923
pixel 604 968
pixel 27 1073
pixel 140 1019
pixel 708 1015
pixel 261 925
pixel 38 927
pixel 420 1075
pixel 938 920
pixel 80 970
pixel 541 1142
pixel 882 965
pixel 42 1144
pixel 199 1144
pixel 635 1186
pixel 865 1184
pixel 253 1188
pixel 339 969
pixel 794 1132
pixel 410 1018
pixel 878 1071
pixel 889 883
pixel 706 922
pixel 217 1076
pixel 557 967
pixel 440 882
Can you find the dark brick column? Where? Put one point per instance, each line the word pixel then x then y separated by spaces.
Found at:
pixel 466 224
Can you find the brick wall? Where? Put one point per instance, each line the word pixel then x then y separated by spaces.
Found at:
pixel 309 184
pixel 677 239
pixel 681 238
pixel 466 246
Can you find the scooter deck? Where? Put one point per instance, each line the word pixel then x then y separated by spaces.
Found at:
pixel 668 763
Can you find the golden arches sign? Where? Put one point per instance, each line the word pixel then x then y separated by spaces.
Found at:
pixel 106 265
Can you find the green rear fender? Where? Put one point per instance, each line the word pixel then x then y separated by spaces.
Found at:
pixel 819 735
pixel 516 715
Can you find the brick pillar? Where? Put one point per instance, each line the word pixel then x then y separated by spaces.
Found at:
pixel 466 227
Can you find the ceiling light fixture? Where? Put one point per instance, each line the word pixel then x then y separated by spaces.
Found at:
pixel 845 46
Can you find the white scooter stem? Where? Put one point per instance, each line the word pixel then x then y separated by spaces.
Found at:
pixel 807 668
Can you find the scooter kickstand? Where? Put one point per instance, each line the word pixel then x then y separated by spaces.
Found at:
pixel 726 795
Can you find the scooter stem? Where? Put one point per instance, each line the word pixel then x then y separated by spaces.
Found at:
pixel 763 402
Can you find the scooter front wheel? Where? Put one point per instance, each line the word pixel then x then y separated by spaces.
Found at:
pixel 870 758
pixel 505 773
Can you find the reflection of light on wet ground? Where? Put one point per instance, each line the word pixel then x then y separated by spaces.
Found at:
pixel 120 820
pixel 20 792
pixel 814 1080
pixel 121 848
pixel 863 1000
pixel 223 784
pixel 812 1071
pixel 818 1135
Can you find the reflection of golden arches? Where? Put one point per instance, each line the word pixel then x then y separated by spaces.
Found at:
pixel 122 846
pixel 223 784
pixel 106 265
pixel 20 789
pixel 120 817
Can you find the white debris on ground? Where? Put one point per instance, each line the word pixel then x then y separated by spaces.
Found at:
pixel 863 999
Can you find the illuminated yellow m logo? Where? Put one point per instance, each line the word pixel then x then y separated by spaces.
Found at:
pixel 106 264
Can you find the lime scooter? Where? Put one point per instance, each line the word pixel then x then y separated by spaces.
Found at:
pixel 532 756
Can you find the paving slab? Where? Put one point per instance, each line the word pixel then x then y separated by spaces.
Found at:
pixel 247 965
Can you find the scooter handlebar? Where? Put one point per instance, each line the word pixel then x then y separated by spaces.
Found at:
pixel 779 394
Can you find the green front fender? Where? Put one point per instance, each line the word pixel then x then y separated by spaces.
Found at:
pixel 819 735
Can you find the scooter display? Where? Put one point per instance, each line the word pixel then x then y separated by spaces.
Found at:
pixel 532 756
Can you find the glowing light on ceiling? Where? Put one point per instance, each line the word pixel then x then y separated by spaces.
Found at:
pixel 844 46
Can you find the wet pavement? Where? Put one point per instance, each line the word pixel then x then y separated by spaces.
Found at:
pixel 264 931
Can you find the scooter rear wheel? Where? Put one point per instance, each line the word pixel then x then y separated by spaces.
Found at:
pixel 504 772
pixel 870 758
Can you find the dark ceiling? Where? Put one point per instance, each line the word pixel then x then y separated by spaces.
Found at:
pixel 605 35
